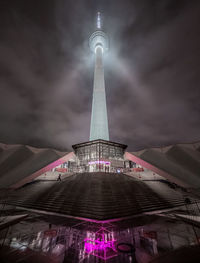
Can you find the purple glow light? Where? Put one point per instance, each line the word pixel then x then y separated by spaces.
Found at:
pixel 100 246
pixel 98 162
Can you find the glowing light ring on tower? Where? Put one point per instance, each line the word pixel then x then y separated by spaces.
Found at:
pixel 98 39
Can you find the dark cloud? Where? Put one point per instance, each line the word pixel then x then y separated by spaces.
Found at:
pixel 152 71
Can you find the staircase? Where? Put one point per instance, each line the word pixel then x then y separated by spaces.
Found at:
pixel 98 196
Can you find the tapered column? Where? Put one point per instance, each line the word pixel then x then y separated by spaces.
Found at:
pixel 99 119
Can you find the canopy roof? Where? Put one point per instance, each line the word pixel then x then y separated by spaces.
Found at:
pixel 179 163
pixel 21 163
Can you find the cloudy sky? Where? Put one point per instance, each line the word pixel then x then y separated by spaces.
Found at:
pixel 152 71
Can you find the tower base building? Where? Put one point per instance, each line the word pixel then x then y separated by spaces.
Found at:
pixel 99 156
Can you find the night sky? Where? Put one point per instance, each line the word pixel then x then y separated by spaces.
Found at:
pixel 152 71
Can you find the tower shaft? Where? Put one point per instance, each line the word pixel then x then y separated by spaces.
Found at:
pixel 99 119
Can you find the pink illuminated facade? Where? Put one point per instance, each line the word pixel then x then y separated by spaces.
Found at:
pixel 99 156
pixel 99 162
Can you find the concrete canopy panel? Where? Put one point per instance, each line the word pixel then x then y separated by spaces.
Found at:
pixel 179 163
pixel 20 164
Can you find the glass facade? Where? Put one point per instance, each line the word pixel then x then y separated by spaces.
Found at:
pixel 99 156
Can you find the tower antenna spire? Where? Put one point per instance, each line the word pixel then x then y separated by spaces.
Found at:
pixel 98 20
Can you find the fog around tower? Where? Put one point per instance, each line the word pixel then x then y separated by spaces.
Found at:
pixel 152 71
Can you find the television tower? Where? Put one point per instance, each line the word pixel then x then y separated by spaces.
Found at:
pixel 99 121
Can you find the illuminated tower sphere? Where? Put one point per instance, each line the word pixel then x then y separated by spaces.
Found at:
pixel 99 120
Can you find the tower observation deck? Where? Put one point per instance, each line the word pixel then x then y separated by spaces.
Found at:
pixel 99 121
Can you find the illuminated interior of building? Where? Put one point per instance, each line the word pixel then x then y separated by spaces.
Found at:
pixel 99 156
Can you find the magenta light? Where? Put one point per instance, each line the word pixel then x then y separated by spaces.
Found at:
pixel 100 246
pixel 92 245
pixel 99 162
